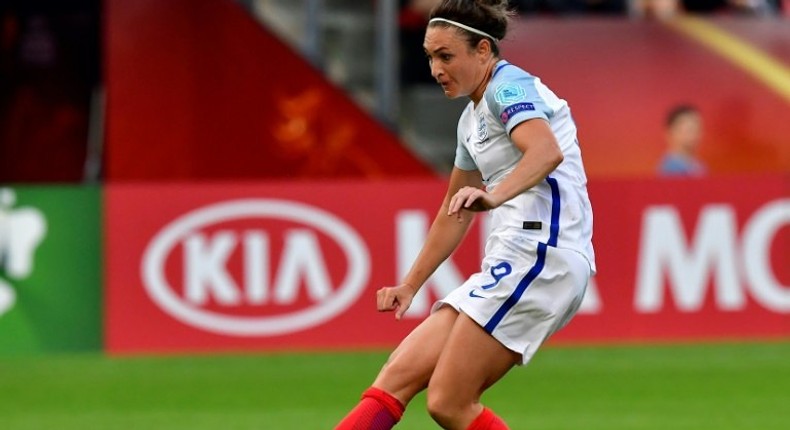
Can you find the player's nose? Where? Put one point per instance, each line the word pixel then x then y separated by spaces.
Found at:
pixel 436 70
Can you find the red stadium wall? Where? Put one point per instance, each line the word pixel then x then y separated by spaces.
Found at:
pixel 199 90
pixel 296 265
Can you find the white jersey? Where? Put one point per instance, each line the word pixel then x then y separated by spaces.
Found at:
pixel 556 211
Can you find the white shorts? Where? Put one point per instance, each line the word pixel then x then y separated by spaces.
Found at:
pixel 524 293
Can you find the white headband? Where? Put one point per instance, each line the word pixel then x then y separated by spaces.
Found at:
pixel 465 27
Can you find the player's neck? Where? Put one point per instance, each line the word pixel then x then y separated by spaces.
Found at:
pixel 477 94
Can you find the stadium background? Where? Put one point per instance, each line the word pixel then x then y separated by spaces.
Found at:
pixel 200 198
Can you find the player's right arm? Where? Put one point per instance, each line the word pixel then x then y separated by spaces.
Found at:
pixel 444 236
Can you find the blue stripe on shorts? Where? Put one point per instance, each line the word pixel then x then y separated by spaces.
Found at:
pixel 554 232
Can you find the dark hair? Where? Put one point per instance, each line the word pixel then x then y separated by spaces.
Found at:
pixel 678 111
pixel 489 16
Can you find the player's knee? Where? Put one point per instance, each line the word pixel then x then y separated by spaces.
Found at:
pixel 443 406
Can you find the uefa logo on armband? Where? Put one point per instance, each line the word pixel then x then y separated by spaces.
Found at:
pixel 508 93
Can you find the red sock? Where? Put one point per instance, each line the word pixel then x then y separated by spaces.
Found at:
pixel 487 420
pixel 378 410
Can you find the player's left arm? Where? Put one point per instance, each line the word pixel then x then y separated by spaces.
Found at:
pixel 541 154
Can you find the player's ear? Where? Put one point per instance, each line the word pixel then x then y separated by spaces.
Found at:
pixel 484 47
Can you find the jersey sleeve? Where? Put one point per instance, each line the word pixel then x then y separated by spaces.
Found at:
pixel 463 160
pixel 516 98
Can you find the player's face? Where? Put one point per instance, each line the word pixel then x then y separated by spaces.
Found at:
pixel 458 68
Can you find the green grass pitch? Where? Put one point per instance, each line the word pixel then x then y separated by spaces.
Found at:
pixel 699 387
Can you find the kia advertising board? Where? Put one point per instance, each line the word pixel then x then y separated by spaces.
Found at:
pixel 229 267
pixel 285 265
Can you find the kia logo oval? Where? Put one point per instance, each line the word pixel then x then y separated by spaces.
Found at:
pixel 186 230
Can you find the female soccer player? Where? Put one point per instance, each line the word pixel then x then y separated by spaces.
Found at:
pixel 518 158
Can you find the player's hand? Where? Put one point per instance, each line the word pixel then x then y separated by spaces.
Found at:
pixel 396 299
pixel 472 199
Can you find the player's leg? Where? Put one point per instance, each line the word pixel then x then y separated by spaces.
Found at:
pixel 548 294
pixel 406 373
pixel 409 367
pixel 472 361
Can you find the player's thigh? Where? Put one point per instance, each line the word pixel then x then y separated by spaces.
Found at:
pixel 471 361
pixel 409 367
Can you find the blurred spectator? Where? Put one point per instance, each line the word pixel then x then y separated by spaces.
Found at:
pixel 49 64
pixel 571 7
pixel 734 7
pixel 412 21
pixel 656 9
pixel 684 130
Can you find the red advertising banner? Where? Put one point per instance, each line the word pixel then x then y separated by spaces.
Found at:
pixel 231 267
